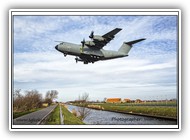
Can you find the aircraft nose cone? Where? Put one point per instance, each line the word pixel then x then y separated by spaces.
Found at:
pixel 56 47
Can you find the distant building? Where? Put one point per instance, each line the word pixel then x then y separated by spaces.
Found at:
pixel 113 100
pixel 126 100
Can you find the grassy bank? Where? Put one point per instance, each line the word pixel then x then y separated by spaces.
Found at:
pixel 54 117
pixel 155 109
pixel 69 118
pixel 19 114
pixel 158 111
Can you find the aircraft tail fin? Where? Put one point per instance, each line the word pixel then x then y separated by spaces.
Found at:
pixel 126 47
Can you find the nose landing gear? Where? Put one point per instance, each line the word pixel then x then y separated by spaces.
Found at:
pixel 65 54
pixel 76 59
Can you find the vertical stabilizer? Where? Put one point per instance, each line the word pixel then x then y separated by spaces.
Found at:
pixel 126 47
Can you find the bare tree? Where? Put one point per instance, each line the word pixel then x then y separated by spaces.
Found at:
pixel 17 94
pixel 17 100
pixel 84 97
pixel 50 96
pixel 104 100
pixel 32 99
pixel 83 110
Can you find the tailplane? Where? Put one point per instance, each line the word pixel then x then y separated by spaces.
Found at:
pixel 126 47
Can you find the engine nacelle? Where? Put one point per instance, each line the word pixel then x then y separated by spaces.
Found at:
pixel 90 43
pixel 98 38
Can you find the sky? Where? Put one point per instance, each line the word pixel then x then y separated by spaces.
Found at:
pixel 149 72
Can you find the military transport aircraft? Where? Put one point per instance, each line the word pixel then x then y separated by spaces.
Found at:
pixel 92 51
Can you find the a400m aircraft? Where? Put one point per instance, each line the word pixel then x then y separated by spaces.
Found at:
pixel 92 51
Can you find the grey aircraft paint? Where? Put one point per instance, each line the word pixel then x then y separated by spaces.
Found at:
pixel 92 51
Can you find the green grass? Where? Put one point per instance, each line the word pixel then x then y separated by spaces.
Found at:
pixel 54 117
pixel 158 111
pixel 69 118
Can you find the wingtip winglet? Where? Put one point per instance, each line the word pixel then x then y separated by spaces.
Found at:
pixel 119 29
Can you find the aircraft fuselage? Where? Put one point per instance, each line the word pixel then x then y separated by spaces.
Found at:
pixel 86 53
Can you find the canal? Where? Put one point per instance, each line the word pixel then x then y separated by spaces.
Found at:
pixel 105 117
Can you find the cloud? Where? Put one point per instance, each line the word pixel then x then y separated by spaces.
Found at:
pixel 149 71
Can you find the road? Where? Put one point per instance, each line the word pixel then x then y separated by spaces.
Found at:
pixel 35 117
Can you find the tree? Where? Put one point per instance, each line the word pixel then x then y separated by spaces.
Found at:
pixel 104 100
pixel 33 99
pixel 50 96
pixel 17 94
pixel 84 98
pixel 17 100
pixel 83 110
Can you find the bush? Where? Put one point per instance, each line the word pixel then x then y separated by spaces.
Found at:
pixel 31 100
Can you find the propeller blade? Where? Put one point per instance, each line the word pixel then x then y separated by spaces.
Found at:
pixel 91 35
pixel 83 42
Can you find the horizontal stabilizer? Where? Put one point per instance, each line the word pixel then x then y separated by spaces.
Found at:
pixel 133 42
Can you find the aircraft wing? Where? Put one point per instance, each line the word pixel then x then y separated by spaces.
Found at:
pixel 107 38
pixel 110 35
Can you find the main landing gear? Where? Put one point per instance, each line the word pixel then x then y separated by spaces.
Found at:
pixel 78 59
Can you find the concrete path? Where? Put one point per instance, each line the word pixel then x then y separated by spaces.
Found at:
pixel 35 117
pixel 61 115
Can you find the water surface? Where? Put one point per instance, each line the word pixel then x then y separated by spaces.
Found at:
pixel 106 118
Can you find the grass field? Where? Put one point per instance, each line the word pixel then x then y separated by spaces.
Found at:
pixel 162 103
pixel 157 109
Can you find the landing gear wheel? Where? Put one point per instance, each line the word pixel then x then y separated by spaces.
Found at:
pixel 76 59
pixel 85 62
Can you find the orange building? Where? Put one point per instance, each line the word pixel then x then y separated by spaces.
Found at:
pixel 113 100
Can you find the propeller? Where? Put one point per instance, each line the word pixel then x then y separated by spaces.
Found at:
pixel 83 42
pixel 91 35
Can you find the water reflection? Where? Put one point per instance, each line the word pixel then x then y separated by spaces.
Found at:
pixel 106 117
